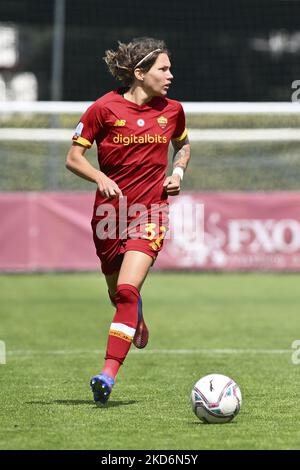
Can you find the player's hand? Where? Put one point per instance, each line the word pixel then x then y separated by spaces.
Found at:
pixel 108 188
pixel 172 185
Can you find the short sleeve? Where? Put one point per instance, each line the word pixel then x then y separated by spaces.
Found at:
pixel 89 126
pixel 180 131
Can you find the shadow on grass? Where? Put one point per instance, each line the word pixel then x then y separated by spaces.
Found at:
pixel 110 404
pixel 201 423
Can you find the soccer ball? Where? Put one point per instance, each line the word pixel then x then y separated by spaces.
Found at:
pixel 216 399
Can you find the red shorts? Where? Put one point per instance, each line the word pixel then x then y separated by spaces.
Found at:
pixel 143 233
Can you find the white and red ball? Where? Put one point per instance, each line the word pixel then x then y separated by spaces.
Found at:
pixel 216 399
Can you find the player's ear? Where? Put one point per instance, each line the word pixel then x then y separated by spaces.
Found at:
pixel 139 74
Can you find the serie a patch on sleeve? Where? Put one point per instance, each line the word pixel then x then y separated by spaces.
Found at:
pixel 78 130
pixel 77 136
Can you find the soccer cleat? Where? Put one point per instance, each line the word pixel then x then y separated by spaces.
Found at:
pixel 141 336
pixel 101 386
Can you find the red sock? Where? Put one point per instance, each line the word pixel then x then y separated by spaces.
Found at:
pixel 123 326
pixel 111 367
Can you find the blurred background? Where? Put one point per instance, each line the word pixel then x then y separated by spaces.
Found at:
pixel 221 50
pixel 237 70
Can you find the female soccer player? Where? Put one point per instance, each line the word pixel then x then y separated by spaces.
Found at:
pixel 132 127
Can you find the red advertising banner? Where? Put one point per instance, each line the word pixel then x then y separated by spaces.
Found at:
pixel 233 231
pixel 241 232
pixel 46 231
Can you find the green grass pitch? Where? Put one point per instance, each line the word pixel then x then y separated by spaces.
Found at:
pixel 241 325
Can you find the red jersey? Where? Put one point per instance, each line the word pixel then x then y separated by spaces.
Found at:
pixel 132 142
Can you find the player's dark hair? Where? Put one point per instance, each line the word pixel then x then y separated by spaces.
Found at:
pixel 122 62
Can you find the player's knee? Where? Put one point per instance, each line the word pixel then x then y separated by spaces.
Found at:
pixel 127 294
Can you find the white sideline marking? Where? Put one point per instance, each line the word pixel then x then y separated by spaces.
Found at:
pixel 78 352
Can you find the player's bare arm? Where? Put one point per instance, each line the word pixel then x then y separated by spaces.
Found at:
pixel 181 157
pixel 78 164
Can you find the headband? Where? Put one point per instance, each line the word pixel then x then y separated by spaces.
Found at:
pixel 146 57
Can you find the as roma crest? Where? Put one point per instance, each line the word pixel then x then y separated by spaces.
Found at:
pixel 162 121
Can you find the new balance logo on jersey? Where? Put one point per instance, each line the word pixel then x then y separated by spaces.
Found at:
pixel 139 139
pixel 120 123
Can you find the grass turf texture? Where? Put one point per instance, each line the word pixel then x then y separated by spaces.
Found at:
pixel 54 326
